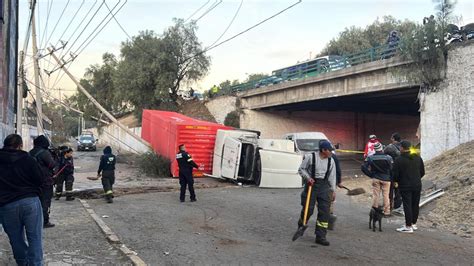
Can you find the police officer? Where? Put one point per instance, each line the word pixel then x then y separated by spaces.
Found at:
pixel 107 170
pixel 45 159
pixel 186 164
pixel 319 171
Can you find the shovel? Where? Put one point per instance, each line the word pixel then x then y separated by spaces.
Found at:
pixel 299 233
pixel 354 192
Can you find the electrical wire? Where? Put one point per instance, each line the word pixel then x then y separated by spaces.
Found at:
pixel 56 25
pixel 78 26
pixel 70 22
pixel 230 24
pixel 244 31
pixel 199 9
pixel 209 10
pixel 49 5
pixel 84 29
pixel 98 26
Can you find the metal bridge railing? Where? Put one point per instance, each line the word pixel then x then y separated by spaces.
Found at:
pixel 313 69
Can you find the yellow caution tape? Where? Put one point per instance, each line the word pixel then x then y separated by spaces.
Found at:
pixel 350 151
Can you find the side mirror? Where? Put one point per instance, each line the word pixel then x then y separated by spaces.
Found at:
pixel 77 139
pixel 96 139
pixel 337 146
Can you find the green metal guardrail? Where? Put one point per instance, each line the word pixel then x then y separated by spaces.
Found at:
pixel 314 68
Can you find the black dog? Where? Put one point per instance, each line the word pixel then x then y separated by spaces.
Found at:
pixel 376 214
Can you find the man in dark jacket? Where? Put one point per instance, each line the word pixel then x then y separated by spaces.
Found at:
pixel 65 174
pixel 186 164
pixel 21 180
pixel 44 158
pixel 408 170
pixel 379 166
pixel 393 149
pixel 107 170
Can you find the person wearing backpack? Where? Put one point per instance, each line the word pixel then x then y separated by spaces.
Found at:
pixel 47 164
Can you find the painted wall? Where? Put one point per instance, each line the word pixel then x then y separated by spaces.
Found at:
pixel 447 116
pixel 221 106
pixel 119 139
pixel 349 129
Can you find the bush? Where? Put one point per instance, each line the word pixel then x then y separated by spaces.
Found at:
pixel 232 119
pixel 154 165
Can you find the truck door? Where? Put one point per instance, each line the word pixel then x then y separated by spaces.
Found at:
pixel 280 169
pixel 231 158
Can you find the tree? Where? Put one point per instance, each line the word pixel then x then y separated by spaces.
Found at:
pixel 98 81
pixel 357 39
pixel 154 68
pixel 232 119
pixel 427 49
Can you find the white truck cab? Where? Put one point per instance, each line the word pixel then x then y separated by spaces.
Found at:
pixel 242 156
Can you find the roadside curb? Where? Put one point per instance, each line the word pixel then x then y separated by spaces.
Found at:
pixel 112 237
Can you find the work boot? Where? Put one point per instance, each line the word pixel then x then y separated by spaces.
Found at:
pixel 58 196
pixel 332 222
pixel 48 225
pixel 69 198
pixel 193 200
pixel 181 200
pixel 322 241
pixel 110 200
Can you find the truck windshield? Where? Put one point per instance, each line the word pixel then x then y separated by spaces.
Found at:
pixel 86 138
pixel 307 144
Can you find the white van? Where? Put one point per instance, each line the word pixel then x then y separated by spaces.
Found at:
pixel 305 142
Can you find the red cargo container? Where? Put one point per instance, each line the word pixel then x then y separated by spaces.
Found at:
pixel 165 131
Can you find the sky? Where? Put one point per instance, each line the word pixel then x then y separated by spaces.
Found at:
pixel 293 36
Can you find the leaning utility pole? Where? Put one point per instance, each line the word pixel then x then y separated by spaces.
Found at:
pixel 94 101
pixel 38 100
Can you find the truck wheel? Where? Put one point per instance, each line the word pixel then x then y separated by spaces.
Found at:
pixel 258 170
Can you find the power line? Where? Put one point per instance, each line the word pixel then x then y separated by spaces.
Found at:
pixel 199 9
pixel 244 31
pixel 77 53
pixel 90 20
pixel 209 10
pixel 98 26
pixel 74 32
pixel 70 22
pixel 57 22
pixel 45 31
pixel 230 24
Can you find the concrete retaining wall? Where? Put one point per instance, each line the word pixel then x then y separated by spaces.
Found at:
pixel 119 139
pixel 348 128
pixel 447 116
pixel 221 106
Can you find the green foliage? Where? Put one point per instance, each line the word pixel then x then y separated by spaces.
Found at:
pixel 151 70
pixel 356 39
pixel 427 49
pixel 154 165
pixel 232 119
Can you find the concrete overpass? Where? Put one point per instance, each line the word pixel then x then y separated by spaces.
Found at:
pixel 347 105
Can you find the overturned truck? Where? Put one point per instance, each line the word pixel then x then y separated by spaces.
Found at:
pixel 242 156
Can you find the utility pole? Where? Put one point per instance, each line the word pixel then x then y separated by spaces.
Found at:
pixel 38 100
pixel 19 97
pixel 95 102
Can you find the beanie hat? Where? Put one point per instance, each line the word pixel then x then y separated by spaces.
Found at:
pixel 378 146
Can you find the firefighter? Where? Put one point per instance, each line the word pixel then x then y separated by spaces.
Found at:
pixel 186 164
pixel 107 170
pixel 65 174
pixel 319 171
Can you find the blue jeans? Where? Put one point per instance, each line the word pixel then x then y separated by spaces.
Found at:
pixel 18 217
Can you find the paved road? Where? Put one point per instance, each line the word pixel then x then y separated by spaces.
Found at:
pixel 76 240
pixel 254 226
